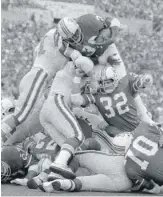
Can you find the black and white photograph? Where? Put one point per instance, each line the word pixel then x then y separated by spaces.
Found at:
pixel 81 97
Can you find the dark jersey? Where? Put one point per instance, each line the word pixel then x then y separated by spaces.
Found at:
pixel 145 141
pixel 16 158
pixel 144 158
pixel 45 148
pixel 118 108
pixel 91 25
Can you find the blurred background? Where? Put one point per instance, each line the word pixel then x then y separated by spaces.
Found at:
pixel 24 22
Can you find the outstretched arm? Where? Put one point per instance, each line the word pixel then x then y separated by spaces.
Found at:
pixel 142 110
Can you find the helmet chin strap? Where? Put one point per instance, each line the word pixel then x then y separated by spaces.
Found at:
pixel 74 42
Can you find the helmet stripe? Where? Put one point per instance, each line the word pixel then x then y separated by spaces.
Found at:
pixel 64 29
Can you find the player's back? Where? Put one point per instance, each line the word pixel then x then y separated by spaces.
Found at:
pixel 63 81
pixel 118 108
pixel 145 141
pixel 47 55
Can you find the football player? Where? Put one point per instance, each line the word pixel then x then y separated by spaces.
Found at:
pixel 56 48
pixel 32 155
pixel 14 162
pixel 144 158
pixel 56 115
pixel 143 165
pixel 94 37
pixel 117 99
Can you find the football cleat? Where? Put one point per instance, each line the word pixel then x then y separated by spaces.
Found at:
pixel 53 176
pixel 58 185
pixel 47 187
pixel 63 170
pixel 35 182
pixel 63 185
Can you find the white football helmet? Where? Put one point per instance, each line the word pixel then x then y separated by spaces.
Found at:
pixel 108 80
pixel 7 107
pixel 70 31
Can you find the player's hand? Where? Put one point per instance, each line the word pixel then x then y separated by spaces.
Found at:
pixel 22 182
pixel 68 51
pixel 76 99
pixel 85 64
pixel 144 81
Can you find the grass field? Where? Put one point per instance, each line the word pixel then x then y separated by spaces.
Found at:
pixel 14 190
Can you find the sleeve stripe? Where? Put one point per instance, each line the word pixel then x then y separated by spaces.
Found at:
pixel 89 99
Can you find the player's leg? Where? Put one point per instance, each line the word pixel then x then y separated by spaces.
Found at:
pixel 57 113
pixel 31 87
pixel 103 163
pixel 100 174
pixel 107 143
pixel 47 62
pixel 43 171
pixel 29 127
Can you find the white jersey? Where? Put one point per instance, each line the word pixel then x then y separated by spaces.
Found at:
pixel 63 81
pixel 47 55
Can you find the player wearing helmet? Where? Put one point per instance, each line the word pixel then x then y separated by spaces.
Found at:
pixel 47 61
pixel 43 151
pixel 56 115
pixel 14 161
pixel 118 100
pixel 93 36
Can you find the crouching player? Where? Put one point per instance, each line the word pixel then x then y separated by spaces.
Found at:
pixel 144 158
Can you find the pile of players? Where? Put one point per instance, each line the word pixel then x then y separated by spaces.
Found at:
pixel 79 123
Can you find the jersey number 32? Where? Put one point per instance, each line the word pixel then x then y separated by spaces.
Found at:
pixel 121 106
